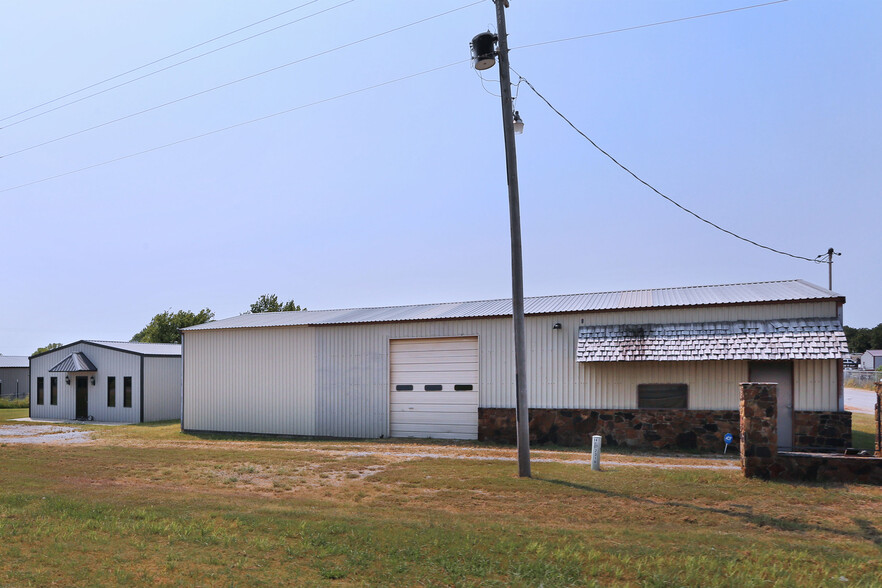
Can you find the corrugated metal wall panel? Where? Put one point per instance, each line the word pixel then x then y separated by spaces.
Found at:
pixel 352 381
pixel 14 382
pixel 250 381
pixel 162 388
pixel 334 380
pixel 109 363
pixel 815 385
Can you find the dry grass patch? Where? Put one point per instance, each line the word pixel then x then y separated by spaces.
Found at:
pixel 149 505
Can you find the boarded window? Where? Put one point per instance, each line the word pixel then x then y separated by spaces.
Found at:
pixel 53 390
pixel 111 391
pixel 127 391
pixel 663 396
pixel 40 390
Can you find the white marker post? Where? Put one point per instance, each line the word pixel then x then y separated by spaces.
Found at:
pixel 595 453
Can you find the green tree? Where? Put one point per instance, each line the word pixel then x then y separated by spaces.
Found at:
pixel 270 303
pixel 49 347
pixel 859 340
pixel 165 326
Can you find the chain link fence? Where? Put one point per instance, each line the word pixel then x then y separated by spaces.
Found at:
pixel 862 378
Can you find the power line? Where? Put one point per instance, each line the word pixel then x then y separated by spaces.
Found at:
pixel 230 127
pixel 168 67
pixel 653 24
pixel 653 188
pixel 249 77
pixel 155 61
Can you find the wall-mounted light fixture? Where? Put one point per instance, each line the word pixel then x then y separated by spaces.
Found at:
pixel 67 380
pixel 92 380
pixel 556 326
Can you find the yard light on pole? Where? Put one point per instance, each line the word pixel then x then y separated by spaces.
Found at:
pixel 482 56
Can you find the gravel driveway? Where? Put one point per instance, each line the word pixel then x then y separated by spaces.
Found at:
pixel 43 434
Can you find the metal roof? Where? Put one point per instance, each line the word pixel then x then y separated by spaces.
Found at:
pixel 758 292
pixel 167 349
pixel 141 348
pixel 819 338
pixel 75 362
pixel 14 361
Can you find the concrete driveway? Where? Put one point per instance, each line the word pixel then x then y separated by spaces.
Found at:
pixel 857 400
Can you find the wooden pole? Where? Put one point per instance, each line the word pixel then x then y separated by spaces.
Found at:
pixel 517 264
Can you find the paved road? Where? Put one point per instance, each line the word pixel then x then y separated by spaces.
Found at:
pixel 857 400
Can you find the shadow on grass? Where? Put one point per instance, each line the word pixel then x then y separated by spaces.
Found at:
pixel 745 513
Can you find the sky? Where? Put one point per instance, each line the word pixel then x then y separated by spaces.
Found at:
pixel 376 186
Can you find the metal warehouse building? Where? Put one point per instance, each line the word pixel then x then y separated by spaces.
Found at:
pixel 107 381
pixel 13 376
pixel 649 367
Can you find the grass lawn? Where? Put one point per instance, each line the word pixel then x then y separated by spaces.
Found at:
pixel 149 505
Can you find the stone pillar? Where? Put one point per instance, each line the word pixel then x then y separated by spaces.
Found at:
pixel 759 429
pixel 878 419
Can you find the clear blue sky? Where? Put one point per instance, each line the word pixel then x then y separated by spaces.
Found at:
pixel 766 121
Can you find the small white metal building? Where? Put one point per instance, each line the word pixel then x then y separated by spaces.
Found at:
pixel 14 376
pixel 441 370
pixel 107 381
pixel 871 359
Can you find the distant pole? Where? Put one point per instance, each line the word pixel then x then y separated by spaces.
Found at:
pixel 517 264
pixel 830 253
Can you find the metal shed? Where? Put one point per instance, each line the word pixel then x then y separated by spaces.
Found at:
pixel 107 381
pixel 14 381
pixel 447 370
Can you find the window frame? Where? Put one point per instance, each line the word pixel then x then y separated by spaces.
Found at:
pixel 111 391
pixel 127 391
pixel 669 389
pixel 41 390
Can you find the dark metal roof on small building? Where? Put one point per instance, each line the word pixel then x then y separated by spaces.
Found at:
pixel 75 362
pixel 737 340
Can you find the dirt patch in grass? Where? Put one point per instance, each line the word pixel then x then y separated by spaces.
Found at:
pixel 29 434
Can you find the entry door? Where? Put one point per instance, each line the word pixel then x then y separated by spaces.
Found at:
pixel 434 388
pixel 780 372
pixel 82 397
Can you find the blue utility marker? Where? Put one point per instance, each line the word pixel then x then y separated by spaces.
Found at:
pixel 728 439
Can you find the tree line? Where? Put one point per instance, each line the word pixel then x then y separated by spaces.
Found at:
pixel 860 340
pixel 165 327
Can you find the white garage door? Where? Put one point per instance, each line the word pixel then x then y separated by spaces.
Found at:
pixel 434 388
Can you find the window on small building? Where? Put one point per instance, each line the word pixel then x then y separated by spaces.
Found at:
pixel 53 390
pixel 111 391
pixel 662 396
pixel 40 390
pixel 127 391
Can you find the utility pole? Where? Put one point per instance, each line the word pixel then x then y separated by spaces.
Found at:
pixel 830 253
pixel 517 264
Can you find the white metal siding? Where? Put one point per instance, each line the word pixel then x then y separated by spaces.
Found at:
pixel 815 385
pixel 444 414
pixel 250 381
pixel 352 379
pixel 109 362
pixel 162 388
pixel 334 380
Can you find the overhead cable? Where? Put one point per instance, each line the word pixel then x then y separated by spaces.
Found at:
pixel 237 125
pixel 166 68
pixel 237 81
pixel 644 26
pixel 653 188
